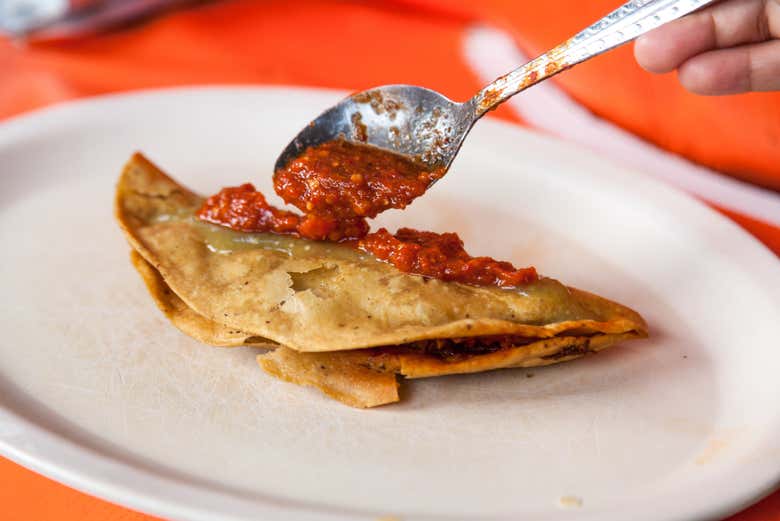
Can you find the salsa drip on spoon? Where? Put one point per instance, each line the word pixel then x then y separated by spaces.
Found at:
pixel 338 185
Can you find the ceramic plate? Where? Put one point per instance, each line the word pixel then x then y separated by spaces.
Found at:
pixel 99 391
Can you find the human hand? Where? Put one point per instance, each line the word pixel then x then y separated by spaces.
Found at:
pixel 732 46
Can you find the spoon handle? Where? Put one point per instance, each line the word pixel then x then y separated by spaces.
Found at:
pixel 622 25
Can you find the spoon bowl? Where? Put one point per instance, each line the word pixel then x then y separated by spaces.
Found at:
pixel 413 121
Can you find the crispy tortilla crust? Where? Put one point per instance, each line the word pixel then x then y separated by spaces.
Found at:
pixel 365 377
pixel 345 376
pixel 349 305
pixel 188 321
pixel 287 364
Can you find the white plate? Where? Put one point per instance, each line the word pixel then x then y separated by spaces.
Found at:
pixel 99 391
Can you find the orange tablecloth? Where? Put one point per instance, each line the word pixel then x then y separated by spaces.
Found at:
pixel 356 45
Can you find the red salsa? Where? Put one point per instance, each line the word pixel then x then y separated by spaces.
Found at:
pixel 245 209
pixel 346 180
pixel 442 256
pixel 338 185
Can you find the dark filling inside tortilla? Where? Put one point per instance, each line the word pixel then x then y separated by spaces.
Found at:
pixel 480 345
pixel 457 349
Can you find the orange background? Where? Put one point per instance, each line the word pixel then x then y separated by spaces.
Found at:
pixel 356 45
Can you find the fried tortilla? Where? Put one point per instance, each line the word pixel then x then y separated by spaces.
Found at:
pixel 347 376
pixel 360 377
pixel 348 323
pixel 187 320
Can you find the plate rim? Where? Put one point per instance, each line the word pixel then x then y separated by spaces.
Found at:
pixel 142 489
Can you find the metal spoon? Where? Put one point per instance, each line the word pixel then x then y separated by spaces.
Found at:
pixel 422 124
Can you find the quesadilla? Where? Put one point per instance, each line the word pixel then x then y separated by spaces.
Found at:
pixel 337 318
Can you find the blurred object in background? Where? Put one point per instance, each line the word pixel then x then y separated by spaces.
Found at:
pixel 49 20
pixel 20 16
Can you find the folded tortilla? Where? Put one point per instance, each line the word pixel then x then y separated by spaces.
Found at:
pixel 340 320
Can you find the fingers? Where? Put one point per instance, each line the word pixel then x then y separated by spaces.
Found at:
pixel 728 71
pixel 720 50
pixel 725 24
pixel 665 48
